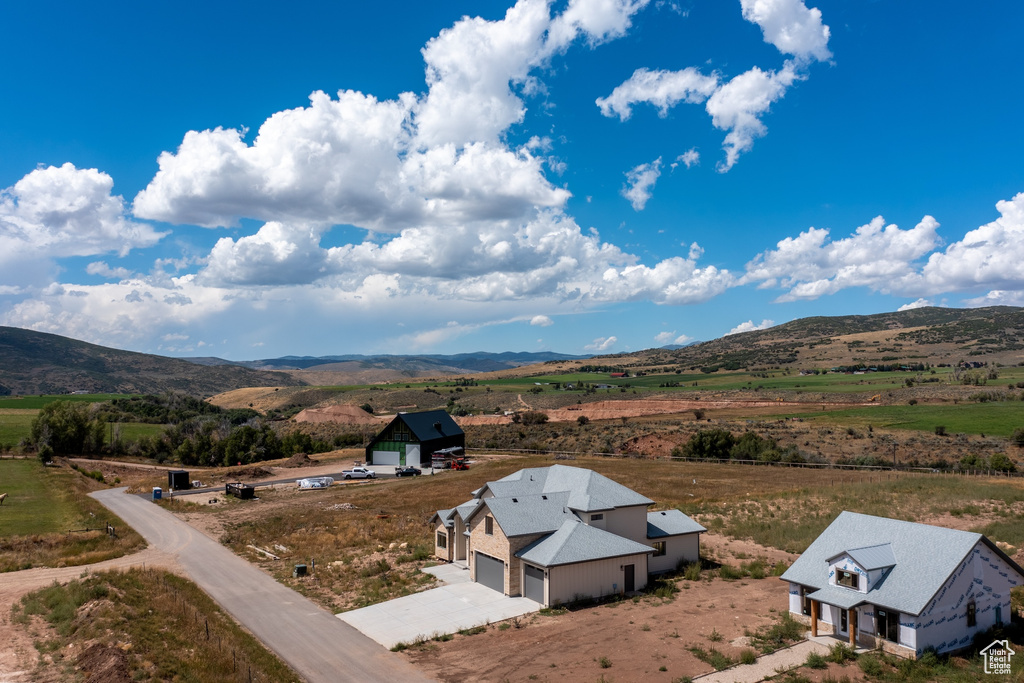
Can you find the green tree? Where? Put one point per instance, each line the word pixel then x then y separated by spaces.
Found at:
pixel 1001 463
pixel 63 426
pixel 709 443
pixel 533 417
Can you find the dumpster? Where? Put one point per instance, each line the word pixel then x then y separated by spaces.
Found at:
pixel 157 493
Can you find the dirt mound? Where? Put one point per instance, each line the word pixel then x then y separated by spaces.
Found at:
pixel 250 473
pixel 299 460
pixel 341 414
pixel 104 663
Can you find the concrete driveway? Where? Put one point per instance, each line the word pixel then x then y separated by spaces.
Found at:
pixel 458 605
pixel 309 639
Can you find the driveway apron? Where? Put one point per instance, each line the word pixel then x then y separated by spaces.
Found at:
pixel 435 612
pixel 309 639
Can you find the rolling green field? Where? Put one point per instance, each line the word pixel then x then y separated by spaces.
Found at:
pixel 15 424
pixel 31 507
pixel 992 419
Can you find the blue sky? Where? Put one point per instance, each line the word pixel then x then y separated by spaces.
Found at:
pixel 590 176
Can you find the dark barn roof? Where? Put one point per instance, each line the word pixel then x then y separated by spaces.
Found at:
pixel 434 428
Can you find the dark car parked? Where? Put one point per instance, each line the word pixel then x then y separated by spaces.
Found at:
pixel 407 472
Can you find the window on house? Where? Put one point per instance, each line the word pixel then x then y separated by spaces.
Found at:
pixel 442 539
pixel 596 518
pixel 659 548
pixel 489 526
pixel 848 579
pixel 972 614
pixel 887 625
pixel 805 602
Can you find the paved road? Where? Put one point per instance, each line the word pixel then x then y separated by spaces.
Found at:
pixel 312 641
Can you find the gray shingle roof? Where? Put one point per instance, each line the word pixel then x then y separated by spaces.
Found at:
pixel 925 557
pixel 445 516
pixel 671 523
pixel 467 508
pixel 843 598
pixel 873 557
pixel 588 491
pixel 530 514
pixel 575 541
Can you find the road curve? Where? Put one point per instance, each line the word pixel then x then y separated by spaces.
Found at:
pixel 315 644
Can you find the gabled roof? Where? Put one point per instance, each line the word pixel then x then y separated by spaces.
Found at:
pixel 927 557
pixel 575 541
pixel 430 424
pixel 671 523
pixel 444 516
pixel 870 558
pixel 588 491
pixel 530 514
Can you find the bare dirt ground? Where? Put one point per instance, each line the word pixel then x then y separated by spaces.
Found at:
pixel 340 414
pixel 612 410
pixel 18 657
pixel 630 640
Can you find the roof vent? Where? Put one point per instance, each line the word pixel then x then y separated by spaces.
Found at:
pixel 515 500
pixel 544 497
pixel 437 426
pixel 662 513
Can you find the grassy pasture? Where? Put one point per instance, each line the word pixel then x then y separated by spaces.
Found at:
pixel 15 424
pixel 990 418
pixel 42 505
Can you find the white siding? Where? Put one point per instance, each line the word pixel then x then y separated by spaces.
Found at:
pixel 593 579
pixel 629 522
pixel 677 549
pixel 982 577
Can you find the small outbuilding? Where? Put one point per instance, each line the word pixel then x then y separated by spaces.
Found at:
pixel 411 438
pixel 178 480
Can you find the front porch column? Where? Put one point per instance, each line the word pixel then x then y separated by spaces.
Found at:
pixel 852 619
pixel 814 618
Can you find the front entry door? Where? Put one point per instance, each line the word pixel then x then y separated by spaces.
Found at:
pixel 629 581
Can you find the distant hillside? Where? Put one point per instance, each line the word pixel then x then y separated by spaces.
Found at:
pixel 39 363
pixel 933 335
pixel 400 366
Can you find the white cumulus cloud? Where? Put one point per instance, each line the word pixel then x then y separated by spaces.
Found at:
pixel 689 158
pixel 639 183
pixel 541 321
pixel 790 26
pixel 663 89
pixel 601 344
pixel 877 256
pixel 749 326
pixel 57 212
pixel 920 303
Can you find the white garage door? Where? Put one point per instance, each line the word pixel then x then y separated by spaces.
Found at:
pixel 490 571
pixel 412 455
pixel 533 583
pixel 385 457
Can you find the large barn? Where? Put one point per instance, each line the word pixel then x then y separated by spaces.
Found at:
pixel 410 438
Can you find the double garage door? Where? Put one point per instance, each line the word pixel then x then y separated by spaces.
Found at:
pixel 412 456
pixel 490 571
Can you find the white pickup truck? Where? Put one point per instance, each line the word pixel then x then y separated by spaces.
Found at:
pixel 358 473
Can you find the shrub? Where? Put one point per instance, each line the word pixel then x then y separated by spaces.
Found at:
pixel 604 663
pixel 1018 436
pixel 748 656
pixel 816 660
pixel 533 417
pixel 940 430
pixel 582 420
pixel 870 665
pixel 691 572
pixel 841 653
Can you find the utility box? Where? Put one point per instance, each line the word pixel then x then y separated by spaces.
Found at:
pixel 158 493
pixel 300 570
pixel 178 480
